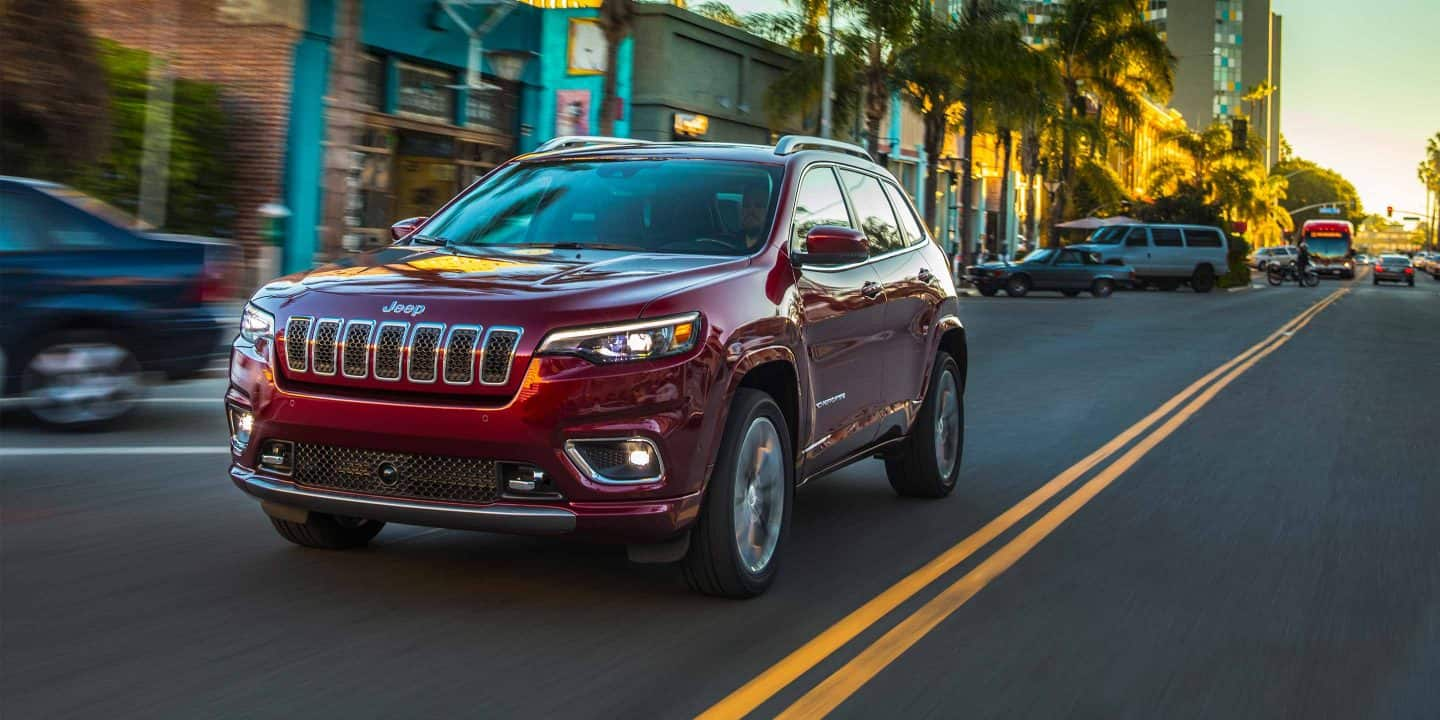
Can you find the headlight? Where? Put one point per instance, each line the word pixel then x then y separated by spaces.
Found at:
pixel 641 340
pixel 256 324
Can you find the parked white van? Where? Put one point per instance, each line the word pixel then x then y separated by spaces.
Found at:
pixel 1165 255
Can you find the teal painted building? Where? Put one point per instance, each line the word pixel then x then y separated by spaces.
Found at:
pixel 423 135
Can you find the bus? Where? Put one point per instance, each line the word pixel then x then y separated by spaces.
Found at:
pixel 1330 243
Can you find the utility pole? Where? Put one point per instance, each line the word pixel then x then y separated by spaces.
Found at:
pixel 827 87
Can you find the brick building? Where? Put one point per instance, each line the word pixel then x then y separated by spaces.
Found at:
pixel 245 47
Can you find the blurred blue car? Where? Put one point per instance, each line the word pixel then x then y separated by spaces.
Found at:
pixel 90 306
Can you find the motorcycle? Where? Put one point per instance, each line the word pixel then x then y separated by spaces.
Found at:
pixel 1276 275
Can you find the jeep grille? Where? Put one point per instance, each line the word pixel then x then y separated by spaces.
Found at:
pixel 391 351
pixel 427 477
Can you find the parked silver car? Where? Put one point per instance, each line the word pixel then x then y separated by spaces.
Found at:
pixel 1263 258
pixel 1165 255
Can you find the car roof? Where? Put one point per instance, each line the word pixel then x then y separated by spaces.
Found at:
pixel 741 152
pixel 29 182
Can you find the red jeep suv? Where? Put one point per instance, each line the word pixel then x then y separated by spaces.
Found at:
pixel 643 343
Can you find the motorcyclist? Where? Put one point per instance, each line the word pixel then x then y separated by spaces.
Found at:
pixel 1302 261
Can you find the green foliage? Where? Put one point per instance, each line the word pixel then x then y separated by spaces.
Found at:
pixel 1238 274
pixel 1311 184
pixel 1187 204
pixel 719 12
pixel 200 197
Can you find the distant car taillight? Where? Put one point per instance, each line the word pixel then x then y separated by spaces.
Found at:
pixel 1410 271
pixel 998 273
pixel 1379 267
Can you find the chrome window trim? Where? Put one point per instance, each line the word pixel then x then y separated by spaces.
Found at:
pixel 589 472
pixel 510 362
pixel 401 365
pixel 305 355
pixel 449 336
pixel 341 347
pixel 334 347
pixel 435 358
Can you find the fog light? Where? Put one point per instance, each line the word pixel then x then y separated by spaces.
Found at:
pixel 241 423
pixel 619 460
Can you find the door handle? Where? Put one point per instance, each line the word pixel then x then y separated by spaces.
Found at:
pixel 925 275
pixel 871 290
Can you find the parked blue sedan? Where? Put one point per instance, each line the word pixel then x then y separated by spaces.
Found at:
pixel 1068 271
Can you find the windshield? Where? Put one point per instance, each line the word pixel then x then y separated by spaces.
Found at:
pixel 652 205
pixel 1039 256
pixel 1108 235
pixel 1328 247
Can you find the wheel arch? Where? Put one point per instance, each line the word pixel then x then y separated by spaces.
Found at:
pixel 773 372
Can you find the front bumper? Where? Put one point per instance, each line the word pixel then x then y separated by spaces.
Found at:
pixel 620 521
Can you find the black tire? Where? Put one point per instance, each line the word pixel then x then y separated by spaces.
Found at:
pixel 713 564
pixel 328 532
pixel 1203 279
pixel 988 290
pixel 1017 286
pixel 1070 293
pixel 1275 276
pixel 1310 279
pixel 1103 288
pixel 118 376
pixel 913 468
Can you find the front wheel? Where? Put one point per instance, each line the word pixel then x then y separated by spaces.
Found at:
pixel 1017 286
pixel 735 544
pixel 927 463
pixel 1274 276
pixel 1310 278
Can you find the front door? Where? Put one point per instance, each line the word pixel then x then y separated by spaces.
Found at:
pixel 844 326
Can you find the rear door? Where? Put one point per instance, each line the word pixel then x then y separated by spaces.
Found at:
pixel 1069 271
pixel 1167 251
pixel 843 324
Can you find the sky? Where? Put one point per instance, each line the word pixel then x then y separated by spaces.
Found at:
pixel 1361 89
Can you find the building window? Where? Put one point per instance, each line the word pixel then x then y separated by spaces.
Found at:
pixel 426 93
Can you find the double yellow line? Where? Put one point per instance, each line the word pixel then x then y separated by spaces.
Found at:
pixel 844 682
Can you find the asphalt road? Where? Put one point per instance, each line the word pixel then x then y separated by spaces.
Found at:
pixel 1272 554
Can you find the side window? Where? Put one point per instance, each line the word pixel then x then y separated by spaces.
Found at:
pixel 873 212
pixel 1136 238
pixel 1202 237
pixel 909 226
pixel 818 202
pixel 1069 257
pixel 1166 237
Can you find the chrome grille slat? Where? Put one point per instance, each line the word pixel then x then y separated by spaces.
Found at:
pixel 424 349
pixel 297 343
pixel 498 354
pixel 355 356
pixel 389 348
pixel 460 355
pixel 327 335
pixel 428 477
pixel 393 350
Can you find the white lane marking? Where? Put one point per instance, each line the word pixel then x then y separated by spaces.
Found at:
pixel 139 450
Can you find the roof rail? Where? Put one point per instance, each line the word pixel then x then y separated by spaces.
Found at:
pixel 569 141
pixel 795 143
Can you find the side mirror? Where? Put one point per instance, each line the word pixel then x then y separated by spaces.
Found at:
pixel 831 245
pixel 399 230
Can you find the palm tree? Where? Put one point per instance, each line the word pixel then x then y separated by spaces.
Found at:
pixel 885 29
pixel 617 21
pixel 1105 51
pixel 929 76
pixel 794 97
pixel 1024 103
pixel 991 46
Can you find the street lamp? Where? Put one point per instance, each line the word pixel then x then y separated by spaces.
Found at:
pixel 509 65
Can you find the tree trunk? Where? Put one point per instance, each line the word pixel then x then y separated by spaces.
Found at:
pixel 1003 221
pixel 1067 167
pixel 967 184
pixel 934 141
pixel 342 122
pixel 608 102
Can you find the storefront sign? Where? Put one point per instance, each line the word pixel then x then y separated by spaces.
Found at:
pixel 424 92
pixel 572 112
pixel 691 125
pixel 587 53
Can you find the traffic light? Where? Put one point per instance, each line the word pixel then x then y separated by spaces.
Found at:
pixel 1389 211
